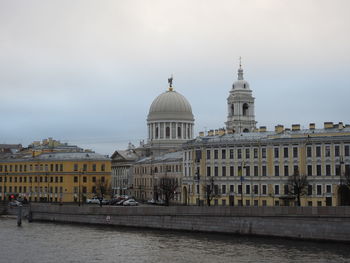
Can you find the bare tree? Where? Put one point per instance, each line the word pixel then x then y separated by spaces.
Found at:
pixel 167 188
pixel 211 191
pixel 103 188
pixel 297 186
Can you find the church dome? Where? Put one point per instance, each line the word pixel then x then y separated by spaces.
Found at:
pixel 240 83
pixel 170 105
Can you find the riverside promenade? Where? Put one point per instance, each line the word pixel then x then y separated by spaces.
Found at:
pixel 313 223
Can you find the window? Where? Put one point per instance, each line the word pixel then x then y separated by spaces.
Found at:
pixel 328 189
pixel 223 154
pixel 295 152
pixel 231 153
pixel 285 152
pixel 277 189
pixel 216 171
pixel 256 170
pixel 318 170
pixel 336 150
pixel 239 153
pixel 208 154
pixel 223 189
pixel 277 170
pixel 347 150
pixel 102 179
pixel 56 167
pixel 309 151
pixel 286 189
pixel 255 153
pixel 61 167
pixel 264 171
pixel 264 189
pixel 239 189
pixel 84 179
pixel 103 167
pixel 256 189
pixel 216 154
pixel 247 153
pixel 276 152
pixel 286 170
pixel 337 169
pixel 84 167
pixel 167 132
pixel 245 108
pixel 309 189
pixel 75 179
pixel 247 171
pixel 328 151
pixel 232 188
pixel 208 170
pixel 328 170
pixel 263 152
pixel 94 179
pixel 309 170
pixel 318 151
pixel 231 171
pixel 94 167
pixel 223 170
pixel 247 189
pixel 61 179
pixel 319 189
pixel 295 169
pixel 264 203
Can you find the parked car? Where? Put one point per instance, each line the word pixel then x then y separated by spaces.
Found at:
pixel 121 202
pixel 93 200
pixel 15 203
pixel 160 202
pixel 105 201
pixel 151 201
pixel 130 202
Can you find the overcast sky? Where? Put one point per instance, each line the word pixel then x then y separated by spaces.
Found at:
pixel 86 72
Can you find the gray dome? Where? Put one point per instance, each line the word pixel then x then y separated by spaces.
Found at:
pixel 170 105
pixel 240 84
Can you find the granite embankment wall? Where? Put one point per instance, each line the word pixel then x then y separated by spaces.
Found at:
pixel 318 223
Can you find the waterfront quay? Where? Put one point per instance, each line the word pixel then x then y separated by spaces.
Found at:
pixel 313 223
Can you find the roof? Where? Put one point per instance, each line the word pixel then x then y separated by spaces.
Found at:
pixel 170 105
pixel 272 137
pixel 167 157
pixel 128 155
pixel 56 156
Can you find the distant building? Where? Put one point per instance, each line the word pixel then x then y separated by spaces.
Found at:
pixel 122 178
pixel 56 176
pixel 149 172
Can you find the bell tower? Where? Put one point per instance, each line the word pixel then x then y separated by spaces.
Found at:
pixel 240 102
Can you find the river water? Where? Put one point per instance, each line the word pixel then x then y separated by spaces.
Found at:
pixel 50 242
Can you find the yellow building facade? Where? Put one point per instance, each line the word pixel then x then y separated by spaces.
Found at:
pixel 53 176
pixel 254 169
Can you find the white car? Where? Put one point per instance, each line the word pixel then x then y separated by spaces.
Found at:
pixel 93 200
pixel 130 202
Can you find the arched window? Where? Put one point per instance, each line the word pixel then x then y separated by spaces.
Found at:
pixel 245 130
pixel 155 170
pixel 167 132
pixel 179 132
pixel 157 132
pixel 232 109
pixel 245 109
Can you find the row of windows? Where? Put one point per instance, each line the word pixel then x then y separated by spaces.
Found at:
pixel 287 152
pixel 45 167
pixel 35 179
pixel 247 171
pixel 158 169
pixel 328 151
pixel 35 189
pixel 232 154
pixel 263 189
